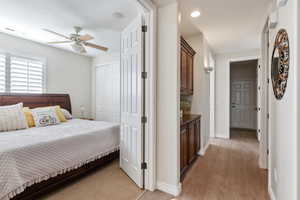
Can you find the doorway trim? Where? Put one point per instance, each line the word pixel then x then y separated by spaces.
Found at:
pixel 231 60
pixel 150 16
pixel 264 161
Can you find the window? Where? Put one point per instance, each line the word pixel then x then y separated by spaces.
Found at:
pixel 21 75
pixel 2 72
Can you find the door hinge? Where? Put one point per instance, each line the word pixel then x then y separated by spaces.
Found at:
pixel 268 116
pixel 268 152
pixel 144 120
pixel 268 80
pixel 144 165
pixel 144 75
pixel 144 28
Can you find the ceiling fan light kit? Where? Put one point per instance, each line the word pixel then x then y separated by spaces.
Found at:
pixel 79 42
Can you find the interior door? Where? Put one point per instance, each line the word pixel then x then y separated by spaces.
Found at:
pixel 243 104
pixel 108 92
pixel 131 101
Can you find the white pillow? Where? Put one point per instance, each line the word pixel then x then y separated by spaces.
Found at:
pixel 12 118
pixel 45 116
pixel 66 113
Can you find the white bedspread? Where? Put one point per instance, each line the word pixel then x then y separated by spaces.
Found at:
pixel 36 154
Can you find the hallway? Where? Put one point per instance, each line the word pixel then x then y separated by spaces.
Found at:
pixel 228 171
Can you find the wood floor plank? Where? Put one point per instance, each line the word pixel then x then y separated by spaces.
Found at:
pixel 228 171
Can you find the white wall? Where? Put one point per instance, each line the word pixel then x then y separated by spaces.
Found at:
pixel 67 72
pixel 298 113
pixel 201 97
pixel 102 58
pixel 283 155
pixel 222 89
pixel 168 90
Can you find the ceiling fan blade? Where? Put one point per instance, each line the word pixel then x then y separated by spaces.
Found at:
pixel 86 37
pixel 59 42
pixel 95 46
pixel 61 35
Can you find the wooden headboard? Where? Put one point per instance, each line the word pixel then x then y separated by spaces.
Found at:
pixel 36 100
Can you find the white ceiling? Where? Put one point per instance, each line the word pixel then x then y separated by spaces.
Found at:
pixel 29 17
pixel 228 25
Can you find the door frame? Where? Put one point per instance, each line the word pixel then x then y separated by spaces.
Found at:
pixel 264 161
pixel 238 59
pixel 149 12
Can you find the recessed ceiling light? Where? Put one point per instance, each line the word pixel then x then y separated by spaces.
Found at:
pixel 118 15
pixel 195 14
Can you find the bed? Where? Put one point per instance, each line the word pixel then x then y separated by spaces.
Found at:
pixel 35 160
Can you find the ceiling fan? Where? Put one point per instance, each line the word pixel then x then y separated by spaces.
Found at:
pixel 79 42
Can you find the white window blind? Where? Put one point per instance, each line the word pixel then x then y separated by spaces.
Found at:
pixel 2 73
pixel 26 75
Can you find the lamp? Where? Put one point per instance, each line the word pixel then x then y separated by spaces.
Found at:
pixel 82 109
pixel 208 69
pixel 273 19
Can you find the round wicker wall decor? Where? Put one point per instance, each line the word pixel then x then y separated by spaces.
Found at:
pixel 280 64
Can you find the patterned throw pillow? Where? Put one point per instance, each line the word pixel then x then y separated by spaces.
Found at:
pixel 45 116
pixel 29 117
pixel 12 118
pixel 66 113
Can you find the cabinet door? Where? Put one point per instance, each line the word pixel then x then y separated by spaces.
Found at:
pixel 183 148
pixel 190 74
pixel 198 135
pixel 184 71
pixel 191 142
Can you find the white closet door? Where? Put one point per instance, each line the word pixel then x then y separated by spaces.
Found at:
pixel 243 104
pixel 131 101
pixel 108 92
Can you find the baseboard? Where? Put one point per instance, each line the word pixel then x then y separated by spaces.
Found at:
pixel 174 190
pixel 271 193
pixel 203 150
pixel 222 136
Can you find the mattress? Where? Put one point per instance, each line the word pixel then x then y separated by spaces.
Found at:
pixel 32 155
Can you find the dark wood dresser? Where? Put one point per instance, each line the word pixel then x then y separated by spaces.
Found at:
pixel 190 141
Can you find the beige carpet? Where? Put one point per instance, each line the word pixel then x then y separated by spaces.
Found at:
pixel 107 183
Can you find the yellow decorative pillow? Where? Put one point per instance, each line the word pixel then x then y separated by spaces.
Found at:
pixel 29 117
pixel 60 114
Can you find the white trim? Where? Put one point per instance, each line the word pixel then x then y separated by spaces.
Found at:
pixel 174 190
pixel 264 75
pixel 238 59
pixel 222 135
pixel 203 150
pixel 245 58
pixel 150 14
pixel 107 63
pixel 271 193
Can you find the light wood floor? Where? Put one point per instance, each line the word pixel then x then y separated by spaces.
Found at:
pixel 228 171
